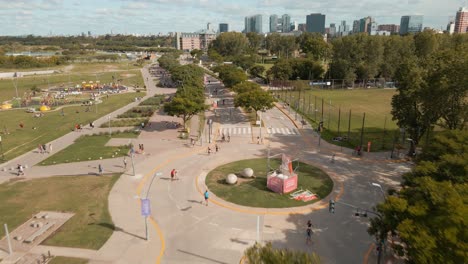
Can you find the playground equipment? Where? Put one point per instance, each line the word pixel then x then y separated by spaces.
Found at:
pixel 44 108
pixel 91 85
pixel 284 179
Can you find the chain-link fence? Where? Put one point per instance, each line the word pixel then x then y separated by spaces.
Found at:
pixel 343 126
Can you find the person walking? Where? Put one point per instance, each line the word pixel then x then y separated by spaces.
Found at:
pixel 125 162
pixel 50 148
pixel 209 150
pixel 174 175
pixel 309 232
pixel 20 170
pixel 216 148
pixel 229 138
pixel 207 196
pixel 100 169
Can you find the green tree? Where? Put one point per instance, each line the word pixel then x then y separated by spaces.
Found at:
pixel 188 75
pixel 184 105
pixel 255 42
pixel 257 99
pixel 196 53
pixel 267 254
pixel 256 70
pixel 230 44
pixel 244 87
pixel 282 70
pixel 444 159
pixel 430 220
pixel 230 75
pixel 245 62
pixel 314 46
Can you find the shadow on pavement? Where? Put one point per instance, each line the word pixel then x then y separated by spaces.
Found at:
pixel 202 257
pixel 195 201
pixel 117 229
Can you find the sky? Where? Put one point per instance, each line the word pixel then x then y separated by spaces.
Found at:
pixel 71 17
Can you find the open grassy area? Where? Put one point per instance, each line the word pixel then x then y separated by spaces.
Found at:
pixel 75 74
pixel 254 192
pixel 266 65
pixel 89 147
pixel 337 104
pixel 67 260
pixel 16 140
pixel 86 196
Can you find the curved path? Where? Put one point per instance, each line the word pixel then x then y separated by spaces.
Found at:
pixel 182 230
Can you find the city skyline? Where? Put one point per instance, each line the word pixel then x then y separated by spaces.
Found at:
pixel 72 17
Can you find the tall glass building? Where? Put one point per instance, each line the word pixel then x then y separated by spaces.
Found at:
pixel 253 24
pixel 411 24
pixel 315 23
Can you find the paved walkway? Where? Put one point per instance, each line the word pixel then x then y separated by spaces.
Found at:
pixel 182 230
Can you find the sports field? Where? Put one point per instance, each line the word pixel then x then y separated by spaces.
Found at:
pixel 342 114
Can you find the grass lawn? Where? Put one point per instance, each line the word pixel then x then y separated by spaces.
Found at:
pixel 126 122
pixel 254 192
pixel 267 67
pixel 79 73
pixel 86 196
pixel 67 260
pixel 51 126
pixel 88 148
pixel 376 103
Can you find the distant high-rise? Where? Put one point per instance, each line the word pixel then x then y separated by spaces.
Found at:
pixel 253 24
pixel 343 29
pixel 411 24
pixel 285 23
pixel 273 23
pixel 372 27
pixel 315 23
pixel 364 24
pixel 461 20
pixel 302 27
pixel 356 24
pixel 332 30
pixel 392 28
pixel 223 27
pixel 280 24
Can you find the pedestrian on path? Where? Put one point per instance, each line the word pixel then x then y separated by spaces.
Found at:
pixel 209 150
pixel 125 162
pixel 207 196
pixel 44 148
pixel 50 148
pixel 216 148
pixel 332 160
pixel 229 138
pixel 100 169
pixel 174 175
pixel 309 232
pixel 39 147
pixel 20 170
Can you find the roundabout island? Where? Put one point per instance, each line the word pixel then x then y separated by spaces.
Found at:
pixel 313 184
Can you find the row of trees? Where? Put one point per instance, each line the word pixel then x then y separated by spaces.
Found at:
pixel 429 215
pixel 189 99
pixel 249 95
pixel 22 62
pixel 106 42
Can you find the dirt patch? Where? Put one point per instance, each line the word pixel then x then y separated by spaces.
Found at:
pixel 127 75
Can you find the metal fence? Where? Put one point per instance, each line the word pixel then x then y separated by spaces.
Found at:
pixel 343 126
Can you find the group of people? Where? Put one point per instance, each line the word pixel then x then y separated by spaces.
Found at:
pixel 216 149
pixel 43 148
pixel 223 138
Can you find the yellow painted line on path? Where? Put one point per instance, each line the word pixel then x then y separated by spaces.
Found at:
pixel 366 256
pixel 145 179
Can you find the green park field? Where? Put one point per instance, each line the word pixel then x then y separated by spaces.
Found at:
pixel 40 130
pixel 343 112
pixel 86 196
pixel 71 75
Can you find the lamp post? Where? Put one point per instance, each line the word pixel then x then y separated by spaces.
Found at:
pixel 109 118
pixel 1 148
pixel 380 187
pixel 299 98
pixel 379 256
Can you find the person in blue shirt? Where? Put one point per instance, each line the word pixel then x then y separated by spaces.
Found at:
pixel 207 195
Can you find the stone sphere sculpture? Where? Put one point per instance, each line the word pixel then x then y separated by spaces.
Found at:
pixel 247 172
pixel 231 178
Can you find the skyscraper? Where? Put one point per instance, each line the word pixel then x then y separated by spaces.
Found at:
pixel 411 24
pixel 273 23
pixel 461 20
pixel 332 30
pixel 223 27
pixel 315 23
pixel 253 24
pixel 364 24
pixel 356 24
pixel 285 23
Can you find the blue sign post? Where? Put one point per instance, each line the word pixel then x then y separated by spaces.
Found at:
pixel 145 207
pixel 146 211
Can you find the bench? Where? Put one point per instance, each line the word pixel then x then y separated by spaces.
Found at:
pixel 39 232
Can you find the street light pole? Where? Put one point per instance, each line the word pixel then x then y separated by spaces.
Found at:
pixel 110 133
pixel 1 148
pixel 379 256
